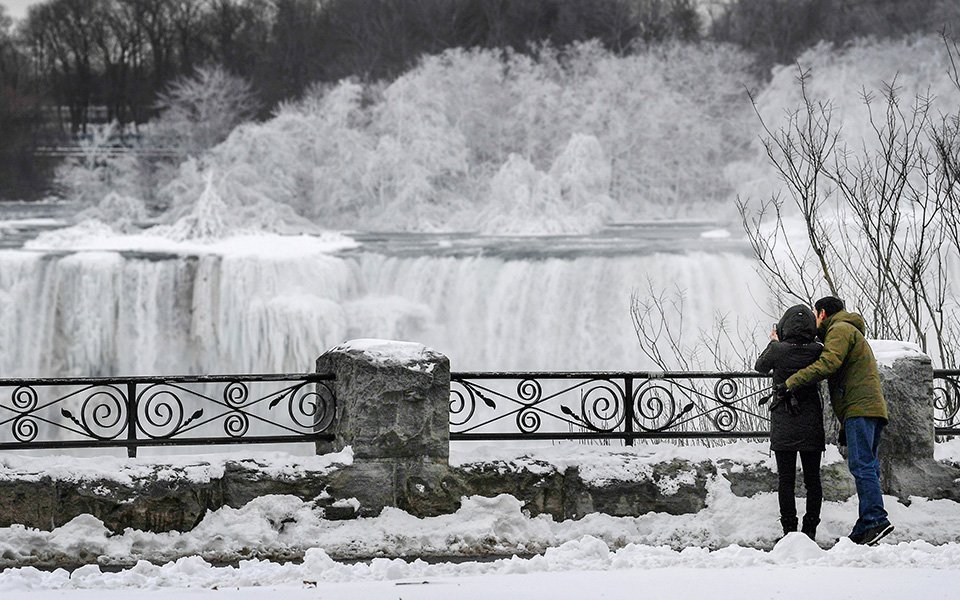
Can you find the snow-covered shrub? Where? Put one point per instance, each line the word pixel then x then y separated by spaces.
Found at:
pixel 197 113
pixel 98 171
pixel 123 212
pixel 570 198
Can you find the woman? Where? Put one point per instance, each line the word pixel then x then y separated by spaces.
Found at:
pixel 796 419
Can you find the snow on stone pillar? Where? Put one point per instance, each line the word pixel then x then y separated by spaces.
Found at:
pixel 906 449
pixel 393 402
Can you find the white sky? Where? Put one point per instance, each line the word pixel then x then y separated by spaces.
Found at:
pixel 17 8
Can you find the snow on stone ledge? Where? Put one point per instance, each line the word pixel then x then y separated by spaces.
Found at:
pixel 410 355
pixel 890 351
pixel 194 468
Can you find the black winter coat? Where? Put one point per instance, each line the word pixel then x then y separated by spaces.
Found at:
pixel 797 347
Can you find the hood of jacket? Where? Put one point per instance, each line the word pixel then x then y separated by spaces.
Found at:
pixel 843 317
pixel 798 325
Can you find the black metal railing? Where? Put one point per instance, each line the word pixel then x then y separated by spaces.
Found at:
pixel 946 401
pixel 134 412
pixel 608 405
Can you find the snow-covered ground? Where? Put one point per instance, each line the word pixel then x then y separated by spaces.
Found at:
pixel 727 550
pixel 795 568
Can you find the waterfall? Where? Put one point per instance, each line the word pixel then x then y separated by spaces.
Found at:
pixel 120 313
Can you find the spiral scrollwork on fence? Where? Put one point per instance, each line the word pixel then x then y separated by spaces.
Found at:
pixel 602 406
pixel 236 424
pixel 655 406
pixel 528 420
pixel 325 407
pixel 236 394
pixel 103 413
pixel 529 391
pixel 463 401
pixel 24 398
pixel 311 407
pixel 24 427
pixel 946 401
pixel 161 412
pixel 726 419
pixel 726 391
pixel 628 406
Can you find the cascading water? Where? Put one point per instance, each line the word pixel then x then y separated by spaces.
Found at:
pixel 109 313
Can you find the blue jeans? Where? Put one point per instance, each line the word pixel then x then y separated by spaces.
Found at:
pixel 863 442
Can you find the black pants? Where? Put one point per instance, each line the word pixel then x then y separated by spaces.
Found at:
pixel 786 489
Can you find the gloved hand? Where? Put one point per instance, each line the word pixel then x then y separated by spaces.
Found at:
pixel 785 396
pixel 842 437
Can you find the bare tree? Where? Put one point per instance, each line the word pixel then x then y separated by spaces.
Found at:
pixel 877 217
pixel 658 320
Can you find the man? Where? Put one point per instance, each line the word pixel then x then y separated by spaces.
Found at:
pixel 847 362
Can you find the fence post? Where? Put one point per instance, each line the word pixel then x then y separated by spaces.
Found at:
pixel 907 464
pixel 131 419
pixel 628 410
pixel 393 410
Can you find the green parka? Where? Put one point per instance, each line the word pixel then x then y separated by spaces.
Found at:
pixel 847 362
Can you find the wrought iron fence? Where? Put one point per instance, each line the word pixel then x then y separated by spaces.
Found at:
pixel 133 412
pixel 608 405
pixel 946 401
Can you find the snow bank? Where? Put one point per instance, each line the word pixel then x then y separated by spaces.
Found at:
pixel 288 527
pixel 948 451
pixel 732 532
pixel 585 553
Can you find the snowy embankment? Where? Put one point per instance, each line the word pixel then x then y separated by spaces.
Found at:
pixel 732 532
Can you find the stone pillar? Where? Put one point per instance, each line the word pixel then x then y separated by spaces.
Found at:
pixel 908 390
pixel 907 465
pixel 393 406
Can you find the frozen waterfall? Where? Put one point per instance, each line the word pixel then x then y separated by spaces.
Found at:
pixel 122 313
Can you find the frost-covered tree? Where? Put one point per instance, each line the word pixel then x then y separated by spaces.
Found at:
pixel 639 136
pixel 105 181
pixel 199 111
pixel 420 156
pixel 305 164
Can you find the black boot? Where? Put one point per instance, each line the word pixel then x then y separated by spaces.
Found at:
pixel 789 525
pixel 810 526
